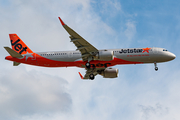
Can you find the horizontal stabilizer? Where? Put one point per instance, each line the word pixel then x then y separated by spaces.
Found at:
pixel 13 53
pixel 16 63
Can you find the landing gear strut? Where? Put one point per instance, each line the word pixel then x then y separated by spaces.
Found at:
pixel 91 76
pixel 156 68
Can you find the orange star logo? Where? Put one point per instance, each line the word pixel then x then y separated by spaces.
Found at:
pixel 146 50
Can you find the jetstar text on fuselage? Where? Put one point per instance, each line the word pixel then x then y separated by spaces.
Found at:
pixel 133 51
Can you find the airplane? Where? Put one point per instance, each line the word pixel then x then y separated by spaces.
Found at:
pixel 86 56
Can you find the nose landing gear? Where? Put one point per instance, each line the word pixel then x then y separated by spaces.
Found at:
pixel 156 68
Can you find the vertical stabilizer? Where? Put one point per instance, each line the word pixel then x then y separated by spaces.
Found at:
pixel 18 45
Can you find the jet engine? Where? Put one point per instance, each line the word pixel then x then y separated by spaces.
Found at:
pixel 110 73
pixel 105 55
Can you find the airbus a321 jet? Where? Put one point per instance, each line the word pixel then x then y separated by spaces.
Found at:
pixel 86 56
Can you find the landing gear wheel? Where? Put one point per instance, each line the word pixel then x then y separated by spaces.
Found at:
pixel 91 76
pixel 156 68
pixel 88 65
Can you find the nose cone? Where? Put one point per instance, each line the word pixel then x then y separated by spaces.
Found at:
pixel 171 56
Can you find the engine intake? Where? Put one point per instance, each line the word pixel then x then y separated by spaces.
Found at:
pixel 105 55
pixel 110 73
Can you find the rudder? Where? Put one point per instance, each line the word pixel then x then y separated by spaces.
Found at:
pixel 18 45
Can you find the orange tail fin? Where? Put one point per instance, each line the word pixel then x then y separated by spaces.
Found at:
pixel 18 45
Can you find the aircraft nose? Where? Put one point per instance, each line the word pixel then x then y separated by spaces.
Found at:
pixel 172 56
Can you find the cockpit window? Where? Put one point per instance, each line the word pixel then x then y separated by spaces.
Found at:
pixel 165 50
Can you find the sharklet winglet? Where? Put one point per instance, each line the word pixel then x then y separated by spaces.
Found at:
pixel 61 21
pixel 81 75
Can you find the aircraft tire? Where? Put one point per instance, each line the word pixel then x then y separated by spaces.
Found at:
pixel 91 76
pixel 88 65
pixel 156 68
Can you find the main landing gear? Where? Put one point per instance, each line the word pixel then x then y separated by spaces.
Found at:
pixel 156 68
pixel 91 76
pixel 88 66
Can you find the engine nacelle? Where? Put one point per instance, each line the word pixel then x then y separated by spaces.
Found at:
pixel 105 55
pixel 110 73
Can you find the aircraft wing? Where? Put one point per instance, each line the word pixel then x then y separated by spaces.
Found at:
pixel 87 50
